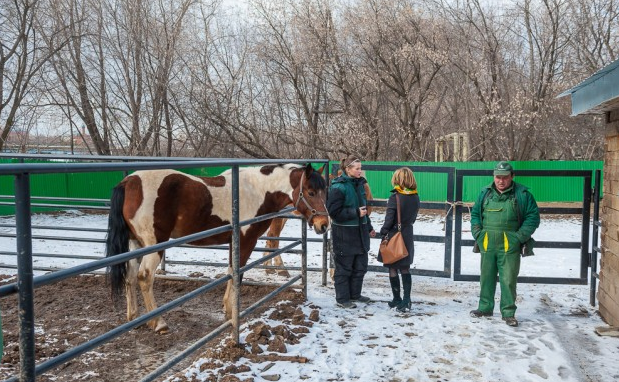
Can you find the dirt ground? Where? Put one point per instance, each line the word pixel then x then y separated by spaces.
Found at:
pixel 72 311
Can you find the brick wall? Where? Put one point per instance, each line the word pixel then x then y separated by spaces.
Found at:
pixel 608 290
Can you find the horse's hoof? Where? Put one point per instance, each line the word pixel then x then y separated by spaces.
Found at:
pixel 162 329
pixel 270 271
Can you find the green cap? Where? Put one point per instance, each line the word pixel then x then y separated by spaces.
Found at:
pixel 503 168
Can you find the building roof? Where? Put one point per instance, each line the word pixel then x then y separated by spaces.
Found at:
pixel 598 93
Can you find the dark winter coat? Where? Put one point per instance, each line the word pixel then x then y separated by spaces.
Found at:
pixel 350 232
pixel 409 207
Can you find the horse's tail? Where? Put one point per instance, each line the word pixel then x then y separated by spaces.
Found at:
pixel 117 241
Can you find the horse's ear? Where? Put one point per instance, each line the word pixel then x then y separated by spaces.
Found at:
pixel 308 169
pixel 322 169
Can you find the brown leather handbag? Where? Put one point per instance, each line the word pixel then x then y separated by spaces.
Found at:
pixel 393 249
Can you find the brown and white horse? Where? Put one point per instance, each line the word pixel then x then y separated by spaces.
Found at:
pixel 275 230
pixel 150 207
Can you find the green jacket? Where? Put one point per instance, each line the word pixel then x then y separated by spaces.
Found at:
pixel 528 213
pixel 346 195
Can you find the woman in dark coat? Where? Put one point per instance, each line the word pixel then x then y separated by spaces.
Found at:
pixel 351 230
pixel 405 187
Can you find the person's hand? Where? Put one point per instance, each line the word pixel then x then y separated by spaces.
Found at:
pixel 363 210
pixel 372 233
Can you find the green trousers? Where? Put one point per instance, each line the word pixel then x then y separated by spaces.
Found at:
pixel 500 255
pixel 507 266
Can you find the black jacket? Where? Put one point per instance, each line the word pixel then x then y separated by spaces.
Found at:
pixel 409 207
pixel 350 232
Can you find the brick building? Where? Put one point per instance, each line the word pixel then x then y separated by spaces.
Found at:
pixel 599 94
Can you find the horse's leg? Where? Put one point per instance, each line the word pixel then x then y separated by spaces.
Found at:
pixel 271 244
pixel 275 230
pixel 146 279
pixel 131 279
pixel 245 250
pixel 227 301
pixel 277 260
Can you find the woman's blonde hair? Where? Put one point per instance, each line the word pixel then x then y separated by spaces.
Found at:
pixel 404 177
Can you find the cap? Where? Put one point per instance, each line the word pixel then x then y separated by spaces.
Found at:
pixel 503 168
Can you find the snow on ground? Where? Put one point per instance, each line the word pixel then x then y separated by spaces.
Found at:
pixel 437 340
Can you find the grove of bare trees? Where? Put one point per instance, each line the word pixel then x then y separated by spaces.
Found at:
pixel 383 79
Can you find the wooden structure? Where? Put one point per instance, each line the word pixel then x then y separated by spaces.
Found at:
pixel 599 94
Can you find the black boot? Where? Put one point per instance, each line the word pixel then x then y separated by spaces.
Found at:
pixel 395 289
pixel 405 305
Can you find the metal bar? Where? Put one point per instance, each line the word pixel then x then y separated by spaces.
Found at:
pixel 414 271
pixel 62 206
pixel 49 168
pixel 448 237
pixel 584 236
pixel 25 279
pixel 109 158
pixel 59 198
pixel 457 262
pixel 534 280
pixel 261 260
pixel 325 243
pixel 59 238
pixel 55 255
pixel 55 228
pixel 593 262
pixel 538 244
pixel 269 296
pixel 235 257
pixel 304 257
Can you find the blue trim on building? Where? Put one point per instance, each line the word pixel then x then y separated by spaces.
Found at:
pixel 601 87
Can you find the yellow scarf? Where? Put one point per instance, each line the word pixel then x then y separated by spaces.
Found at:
pixel 405 191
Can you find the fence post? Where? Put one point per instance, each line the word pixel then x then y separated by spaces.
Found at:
pixel 593 262
pixel 304 256
pixel 24 277
pixel 235 246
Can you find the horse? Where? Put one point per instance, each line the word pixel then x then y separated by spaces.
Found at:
pixel 152 206
pixel 275 230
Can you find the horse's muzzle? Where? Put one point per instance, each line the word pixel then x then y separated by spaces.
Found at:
pixel 321 228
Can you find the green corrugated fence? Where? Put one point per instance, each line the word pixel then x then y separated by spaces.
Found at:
pixel 432 186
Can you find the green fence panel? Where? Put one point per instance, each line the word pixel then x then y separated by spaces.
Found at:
pixel 432 186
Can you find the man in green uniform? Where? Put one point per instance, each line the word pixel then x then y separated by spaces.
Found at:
pixel 503 219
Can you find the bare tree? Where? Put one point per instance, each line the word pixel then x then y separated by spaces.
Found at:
pixel 22 55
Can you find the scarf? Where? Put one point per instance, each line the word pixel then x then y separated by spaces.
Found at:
pixel 405 191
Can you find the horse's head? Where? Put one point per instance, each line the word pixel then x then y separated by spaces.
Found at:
pixel 309 197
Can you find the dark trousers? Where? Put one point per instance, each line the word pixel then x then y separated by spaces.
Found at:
pixel 348 276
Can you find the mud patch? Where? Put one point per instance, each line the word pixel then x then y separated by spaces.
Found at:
pixel 73 311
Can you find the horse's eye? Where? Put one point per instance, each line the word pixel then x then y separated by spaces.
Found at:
pixel 311 193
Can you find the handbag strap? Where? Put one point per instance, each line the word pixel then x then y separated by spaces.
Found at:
pixel 397 200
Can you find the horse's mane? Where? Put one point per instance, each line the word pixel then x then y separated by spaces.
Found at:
pixel 317 181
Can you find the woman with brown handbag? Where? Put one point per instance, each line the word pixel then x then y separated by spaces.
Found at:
pixel 404 201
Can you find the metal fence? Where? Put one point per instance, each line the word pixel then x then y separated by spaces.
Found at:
pixel 22 174
pixel 585 180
